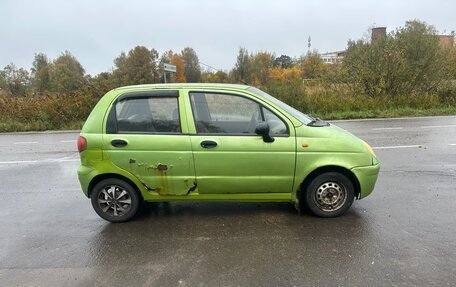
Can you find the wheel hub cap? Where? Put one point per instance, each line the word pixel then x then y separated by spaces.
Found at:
pixel 330 196
pixel 114 200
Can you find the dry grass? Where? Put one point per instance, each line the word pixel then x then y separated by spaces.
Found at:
pixel 54 112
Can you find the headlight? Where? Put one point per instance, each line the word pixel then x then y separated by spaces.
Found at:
pixel 369 148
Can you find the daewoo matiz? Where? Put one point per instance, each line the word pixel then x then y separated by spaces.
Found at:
pixel 216 142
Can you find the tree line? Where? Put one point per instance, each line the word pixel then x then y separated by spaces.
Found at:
pixel 65 74
pixel 407 60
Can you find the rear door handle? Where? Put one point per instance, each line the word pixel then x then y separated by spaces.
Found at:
pixel 208 144
pixel 119 143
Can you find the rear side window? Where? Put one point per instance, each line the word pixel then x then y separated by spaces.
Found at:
pixel 145 115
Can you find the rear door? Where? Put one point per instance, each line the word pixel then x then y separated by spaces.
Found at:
pixel 146 136
pixel 229 156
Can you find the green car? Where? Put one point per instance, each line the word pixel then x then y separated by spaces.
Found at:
pixel 216 142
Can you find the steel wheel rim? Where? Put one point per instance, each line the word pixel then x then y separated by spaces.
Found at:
pixel 330 196
pixel 114 200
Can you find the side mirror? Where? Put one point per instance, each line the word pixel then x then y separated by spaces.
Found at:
pixel 262 129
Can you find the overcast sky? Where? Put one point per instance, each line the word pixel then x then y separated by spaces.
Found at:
pixel 96 31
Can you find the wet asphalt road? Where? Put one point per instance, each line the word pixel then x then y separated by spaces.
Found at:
pixel 403 234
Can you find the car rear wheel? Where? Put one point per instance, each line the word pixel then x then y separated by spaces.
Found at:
pixel 329 195
pixel 115 200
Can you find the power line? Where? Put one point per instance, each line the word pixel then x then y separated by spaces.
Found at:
pixel 210 67
pixel 221 72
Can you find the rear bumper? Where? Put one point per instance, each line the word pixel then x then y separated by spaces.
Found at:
pixel 85 176
pixel 367 177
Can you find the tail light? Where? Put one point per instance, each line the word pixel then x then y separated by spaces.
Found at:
pixel 82 144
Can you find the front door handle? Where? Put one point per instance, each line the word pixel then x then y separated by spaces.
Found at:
pixel 208 144
pixel 119 143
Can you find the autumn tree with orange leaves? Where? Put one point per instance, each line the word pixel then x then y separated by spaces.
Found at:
pixel 177 61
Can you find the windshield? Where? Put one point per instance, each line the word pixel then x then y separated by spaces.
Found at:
pixel 303 118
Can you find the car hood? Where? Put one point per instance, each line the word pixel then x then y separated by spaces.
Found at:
pixel 329 138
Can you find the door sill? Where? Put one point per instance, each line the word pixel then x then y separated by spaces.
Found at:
pixel 241 197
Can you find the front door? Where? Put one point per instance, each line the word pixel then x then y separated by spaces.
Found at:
pixel 145 137
pixel 229 156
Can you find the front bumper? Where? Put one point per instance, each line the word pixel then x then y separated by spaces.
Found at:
pixel 367 177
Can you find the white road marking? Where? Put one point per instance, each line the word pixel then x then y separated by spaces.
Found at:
pixel 453 144
pixel 62 159
pixel 397 146
pixel 388 119
pixel 442 126
pixel 25 142
pixel 381 129
pixel 18 161
pixel 68 141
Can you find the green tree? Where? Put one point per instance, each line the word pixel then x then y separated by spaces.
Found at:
pixel 3 83
pixel 138 67
pixel 217 77
pixel 260 65
pixel 312 66
pixel 450 62
pixel 103 82
pixel 241 70
pixel 423 56
pixel 41 78
pixel 15 80
pixel 405 61
pixel 192 69
pixel 66 74
pixel 166 57
pixel 283 61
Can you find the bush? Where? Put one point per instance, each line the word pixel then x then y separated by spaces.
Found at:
pixel 48 111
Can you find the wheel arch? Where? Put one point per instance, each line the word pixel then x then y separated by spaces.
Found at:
pixel 103 176
pixel 330 168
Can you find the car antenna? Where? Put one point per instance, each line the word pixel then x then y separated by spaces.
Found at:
pixel 240 80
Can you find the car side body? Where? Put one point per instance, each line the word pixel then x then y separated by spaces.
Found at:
pixel 204 147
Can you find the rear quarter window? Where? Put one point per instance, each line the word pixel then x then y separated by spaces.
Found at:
pixel 145 115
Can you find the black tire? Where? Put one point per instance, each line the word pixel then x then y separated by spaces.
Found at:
pixel 329 195
pixel 122 209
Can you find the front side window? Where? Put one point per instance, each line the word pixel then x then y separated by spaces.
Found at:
pixel 303 118
pixel 231 114
pixel 276 126
pixel 148 115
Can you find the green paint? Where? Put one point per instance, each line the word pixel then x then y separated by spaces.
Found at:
pixel 165 167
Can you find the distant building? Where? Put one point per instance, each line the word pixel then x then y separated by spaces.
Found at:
pixel 446 41
pixel 338 56
pixel 332 57
pixel 377 33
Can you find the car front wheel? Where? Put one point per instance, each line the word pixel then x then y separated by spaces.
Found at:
pixel 329 195
pixel 115 200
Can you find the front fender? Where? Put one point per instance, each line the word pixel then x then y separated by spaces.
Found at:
pixel 307 162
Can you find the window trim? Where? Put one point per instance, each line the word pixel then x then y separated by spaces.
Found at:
pixel 148 94
pixel 111 121
pixel 261 105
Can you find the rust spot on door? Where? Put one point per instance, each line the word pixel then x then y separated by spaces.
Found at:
pixel 164 190
pixel 162 167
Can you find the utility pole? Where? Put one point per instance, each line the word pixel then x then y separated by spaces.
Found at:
pixel 309 45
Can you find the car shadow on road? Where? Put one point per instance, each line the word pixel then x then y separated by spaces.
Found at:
pixel 207 209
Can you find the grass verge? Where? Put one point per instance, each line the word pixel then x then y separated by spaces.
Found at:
pixel 8 125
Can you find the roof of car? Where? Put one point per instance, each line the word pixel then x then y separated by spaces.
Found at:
pixel 186 85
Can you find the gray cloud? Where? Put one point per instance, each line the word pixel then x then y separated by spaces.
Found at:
pixel 97 31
